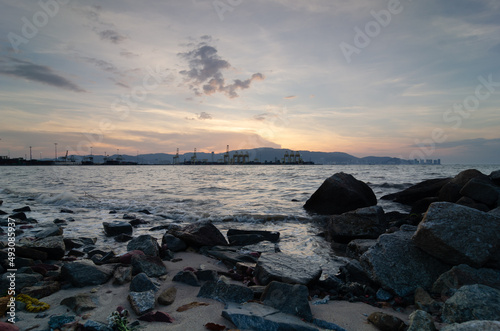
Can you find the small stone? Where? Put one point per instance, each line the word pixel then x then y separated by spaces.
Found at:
pixel 142 302
pixel 122 275
pixel 151 265
pixel 157 316
pixel 167 297
pixel 383 295
pixel 187 277
pixel 387 322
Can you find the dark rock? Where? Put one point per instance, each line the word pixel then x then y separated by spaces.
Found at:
pixel 425 189
pixel 474 325
pixel 42 289
pixel 138 221
pixel 254 316
pixel 421 321
pixel 204 275
pixel 127 257
pixel 157 316
pixel 122 275
pixel 272 236
pixel 150 265
pixel 53 246
pixel 22 281
pixel 142 302
pixel 456 234
pixel 121 238
pixel 85 272
pixel 57 321
pixel 167 297
pixel 219 290
pixel 35 254
pixel 450 192
pixel 425 302
pixel 145 211
pixel 495 212
pixel 288 299
pixel 144 243
pixel 202 233
pixel 463 274
pixel 141 282
pixel 71 243
pixel 383 295
pixel 3 213
pixel 129 217
pixel 468 202
pixel 287 269
pixel 49 232
pixel 67 211
pixel 173 243
pixel 494 176
pixel 386 322
pixel 6 326
pixel 80 303
pixel 117 227
pixel 19 216
pixel 482 190
pixel 422 205
pixel 91 325
pixel 245 239
pixel 353 271
pixel 472 302
pixel 22 209
pixel 363 223
pixel 398 265
pixel 186 277
pixel 340 193
pixel 358 247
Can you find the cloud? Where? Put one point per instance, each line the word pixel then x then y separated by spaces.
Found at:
pixel 102 64
pixel 128 54
pixel 204 116
pixel 205 74
pixel 112 36
pixel 36 73
pixel 290 97
pixel 106 31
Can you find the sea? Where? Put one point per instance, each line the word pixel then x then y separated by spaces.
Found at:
pixel 252 197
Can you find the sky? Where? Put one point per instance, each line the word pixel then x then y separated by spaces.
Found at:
pixel 408 79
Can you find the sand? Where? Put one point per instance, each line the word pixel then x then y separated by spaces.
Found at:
pixel 351 316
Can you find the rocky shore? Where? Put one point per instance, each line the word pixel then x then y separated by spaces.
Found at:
pixel 437 268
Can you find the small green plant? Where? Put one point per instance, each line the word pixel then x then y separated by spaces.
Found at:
pixel 118 320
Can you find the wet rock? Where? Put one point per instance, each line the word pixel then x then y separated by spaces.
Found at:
pixel 482 190
pixel 53 246
pixel 78 242
pixel 386 322
pixel 398 265
pixel 363 223
pixel 288 299
pixel 254 316
pixel 141 282
pixel 231 255
pixel 138 221
pixel 42 289
pixel 456 234
pixel 474 325
pixel 340 193
pixel 150 265
pixel 67 211
pixel 247 237
pixel 117 227
pixel 173 243
pixel 425 189
pixel 121 238
pixel 358 247
pixel 157 316
pixel 421 321
pixel 468 202
pixel 167 297
pixel 199 234
pixel 85 272
pixel 145 211
pixel 186 277
pixel 425 302
pixel 221 291
pixel 472 302
pixel 144 243
pixel 142 302
pixel 22 209
pixel 129 216
pixel 463 274
pixel 19 216
pixel 127 257
pixel 80 303
pixel 49 232
pixel 287 269
pixel 450 192
pixel 23 251
pixel 122 275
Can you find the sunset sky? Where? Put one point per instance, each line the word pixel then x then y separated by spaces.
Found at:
pixel 367 77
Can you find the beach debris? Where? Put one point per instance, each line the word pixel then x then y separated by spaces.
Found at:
pixel 187 277
pixel 157 316
pixel 221 291
pixel 387 322
pixel 146 244
pixel 118 320
pixel 191 305
pixel 167 297
pixel 288 299
pixel 142 302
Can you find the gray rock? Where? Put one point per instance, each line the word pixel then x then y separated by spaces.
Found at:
pixel 425 189
pixel 221 291
pixel 340 193
pixel 231 255
pixel 287 269
pixel 468 202
pixel 362 223
pixel 450 192
pixel 42 289
pixel 53 246
pixel 288 299
pixel 122 275
pixel 144 243
pixel 472 302
pixel 151 265
pixel 423 301
pixel 142 302
pixel 481 190
pixel 463 274
pixel 173 243
pixel 80 303
pixel 254 316
pixel 116 227
pixel 198 234
pixel 474 325
pixel 495 212
pixel 49 232
pixel 32 253
pixel 421 321
pixel 204 275
pixel 21 280
pixel 186 277
pixel 456 234
pixel 383 295
pixel 85 272
pixel 142 283
pixel 167 297
pixel 91 325
pixel 399 266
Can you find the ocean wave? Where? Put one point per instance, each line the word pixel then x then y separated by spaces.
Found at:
pixel 63 198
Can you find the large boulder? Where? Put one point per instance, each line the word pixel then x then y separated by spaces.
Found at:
pixel 287 269
pixel 202 233
pixel 54 247
pixel 482 190
pixel 142 302
pixel 450 192
pixel 472 302
pixel 399 266
pixel 289 299
pixel 463 274
pixel 362 223
pixel 457 234
pixel 427 188
pixel 219 290
pixel 340 193
pixel 495 177
pixel 144 243
pixel 49 232
pixel 85 272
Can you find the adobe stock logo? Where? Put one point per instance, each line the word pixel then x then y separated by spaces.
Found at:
pixel 363 38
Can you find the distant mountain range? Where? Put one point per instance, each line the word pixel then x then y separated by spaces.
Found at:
pixel 262 155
